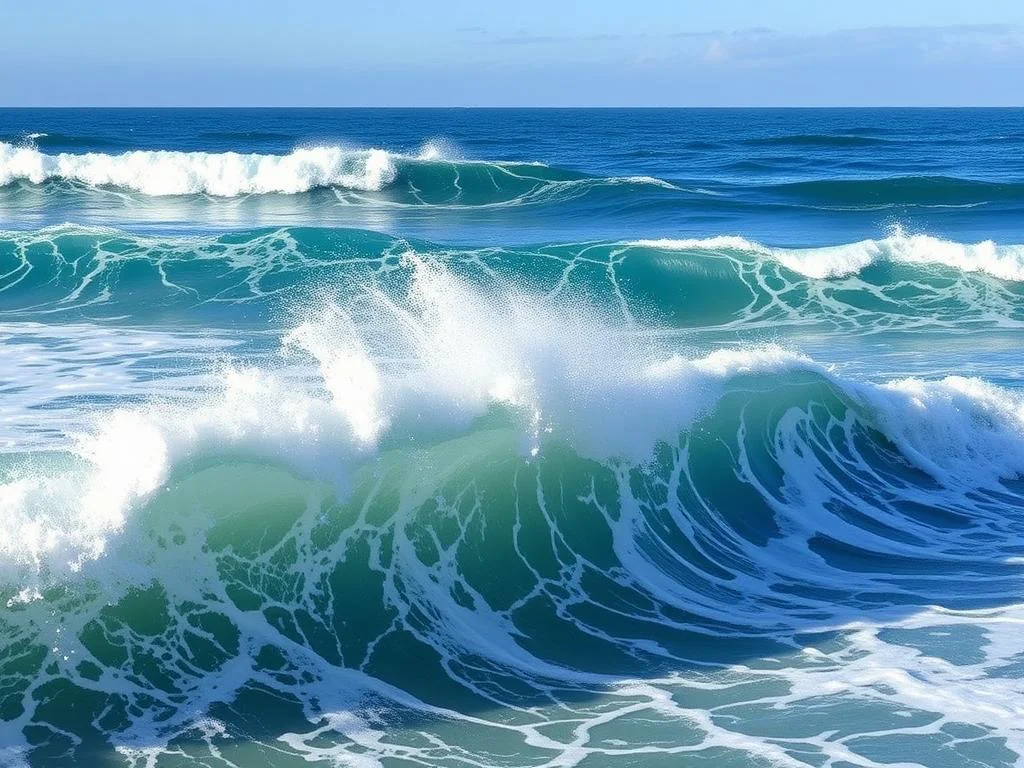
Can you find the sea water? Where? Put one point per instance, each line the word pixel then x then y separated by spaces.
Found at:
pixel 511 438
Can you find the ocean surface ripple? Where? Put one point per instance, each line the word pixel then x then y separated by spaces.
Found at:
pixel 586 438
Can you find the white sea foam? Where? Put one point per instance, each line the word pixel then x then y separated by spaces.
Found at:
pixel 57 511
pixel 1002 261
pixel 226 174
pixel 958 429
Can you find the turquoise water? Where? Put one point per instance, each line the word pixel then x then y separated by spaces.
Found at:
pixel 511 438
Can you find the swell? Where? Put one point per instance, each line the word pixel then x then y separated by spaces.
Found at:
pixel 838 140
pixel 247 136
pixel 32 141
pixel 1004 262
pixel 426 178
pixel 434 177
pixel 250 279
pixel 899 190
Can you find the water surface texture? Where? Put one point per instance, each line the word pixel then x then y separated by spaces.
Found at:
pixel 511 438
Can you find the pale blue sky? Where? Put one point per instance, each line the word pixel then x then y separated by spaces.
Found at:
pixel 528 52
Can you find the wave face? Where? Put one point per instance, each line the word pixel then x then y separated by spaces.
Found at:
pixel 528 465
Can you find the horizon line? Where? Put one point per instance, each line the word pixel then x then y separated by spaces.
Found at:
pixel 514 106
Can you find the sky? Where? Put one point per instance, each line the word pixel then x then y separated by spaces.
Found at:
pixel 522 53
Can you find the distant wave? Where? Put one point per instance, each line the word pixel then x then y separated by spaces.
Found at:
pixel 899 190
pixel 902 281
pixel 426 178
pixel 54 139
pixel 435 177
pixel 225 174
pixel 247 135
pixel 1005 262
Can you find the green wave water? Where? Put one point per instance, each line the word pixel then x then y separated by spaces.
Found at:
pixel 596 439
pixel 901 282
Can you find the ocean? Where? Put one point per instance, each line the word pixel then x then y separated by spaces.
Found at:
pixel 511 438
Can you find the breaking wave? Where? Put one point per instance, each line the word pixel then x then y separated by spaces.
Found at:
pixel 443 494
pixel 428 177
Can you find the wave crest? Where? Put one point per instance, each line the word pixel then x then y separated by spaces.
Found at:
pixel 1005 262
pixel 435 176
pixel 226 174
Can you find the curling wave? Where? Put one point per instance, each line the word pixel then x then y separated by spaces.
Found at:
pixel 428 361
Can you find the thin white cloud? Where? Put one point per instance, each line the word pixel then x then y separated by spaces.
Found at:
pixel 765 47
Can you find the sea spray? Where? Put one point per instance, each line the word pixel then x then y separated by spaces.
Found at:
pixel 566 439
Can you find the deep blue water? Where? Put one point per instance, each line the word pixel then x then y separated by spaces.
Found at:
pixel 785 176
pixel 519 438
